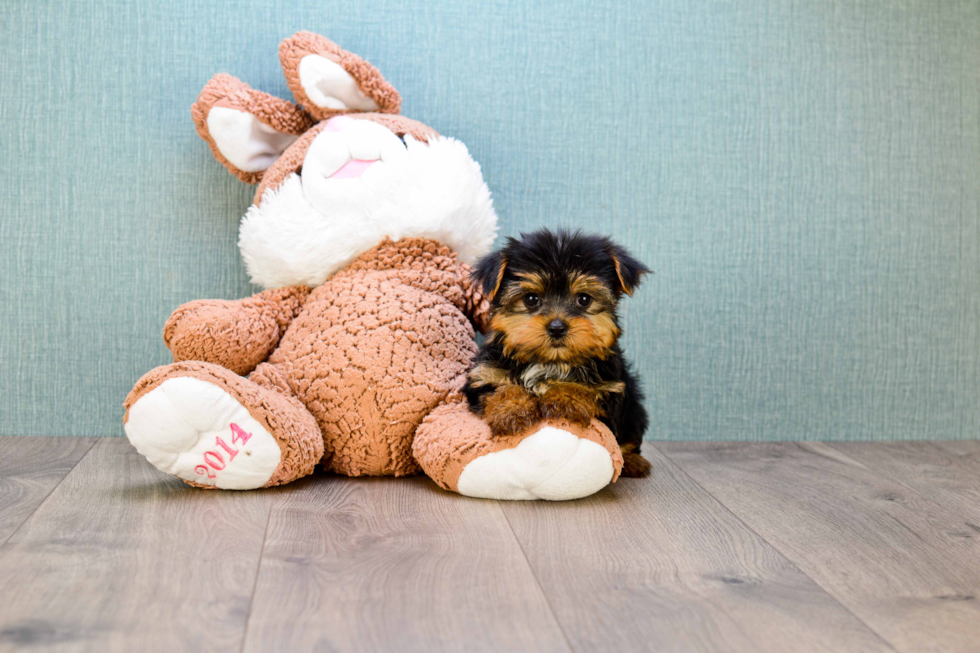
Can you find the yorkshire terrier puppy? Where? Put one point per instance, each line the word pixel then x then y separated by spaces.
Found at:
pixel 553 348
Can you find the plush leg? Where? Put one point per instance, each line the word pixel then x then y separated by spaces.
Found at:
pixel 236 334
pixel 213 428
pixel 553 460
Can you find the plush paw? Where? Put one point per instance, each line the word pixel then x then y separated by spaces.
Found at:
pixel 198 432
pixel 509 410
pixel 568 401
pixel 236 335
pixel 554 461
pixel 551 464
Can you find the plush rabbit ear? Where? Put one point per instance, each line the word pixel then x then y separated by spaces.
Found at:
pixel 329 81
pixel 246 129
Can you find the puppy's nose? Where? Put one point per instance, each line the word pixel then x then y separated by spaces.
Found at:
pixel 557 328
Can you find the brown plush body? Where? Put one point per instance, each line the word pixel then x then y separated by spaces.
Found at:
pixel 368 354
pixel 375 349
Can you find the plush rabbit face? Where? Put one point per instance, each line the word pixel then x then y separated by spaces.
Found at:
pixel 332 189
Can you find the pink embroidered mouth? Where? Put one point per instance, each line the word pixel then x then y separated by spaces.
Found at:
pixel 353 169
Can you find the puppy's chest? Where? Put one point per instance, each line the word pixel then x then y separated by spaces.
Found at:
pixel 536 376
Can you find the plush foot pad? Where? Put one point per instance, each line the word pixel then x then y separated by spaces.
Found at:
pixel 550 464
pixel 556 461
pixel 200 433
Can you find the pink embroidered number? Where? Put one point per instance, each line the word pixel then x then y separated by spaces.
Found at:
pixel 214 460
pixel 231 452
pixel 238 434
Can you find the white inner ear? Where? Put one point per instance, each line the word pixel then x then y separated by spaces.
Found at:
pixel 248 143
pixel 329 86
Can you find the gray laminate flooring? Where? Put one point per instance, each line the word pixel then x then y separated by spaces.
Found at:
pixel 751 547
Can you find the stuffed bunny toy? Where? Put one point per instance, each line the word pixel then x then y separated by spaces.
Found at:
pixel 362 231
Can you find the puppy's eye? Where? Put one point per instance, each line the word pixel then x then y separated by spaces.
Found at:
pixel 583 300
pixel 531 300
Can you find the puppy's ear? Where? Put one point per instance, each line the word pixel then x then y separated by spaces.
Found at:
pixel 628 269
pixel 489 273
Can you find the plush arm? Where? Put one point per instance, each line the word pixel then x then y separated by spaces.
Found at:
pixel 477 306
pixel 237 335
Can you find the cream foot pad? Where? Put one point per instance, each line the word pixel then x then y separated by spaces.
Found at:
pixel 550 464
pixel 198 432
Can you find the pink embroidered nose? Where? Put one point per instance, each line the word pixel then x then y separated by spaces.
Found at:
pixel 353 168
pixel 337 124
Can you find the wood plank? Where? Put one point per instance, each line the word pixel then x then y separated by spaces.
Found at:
pixel 30 467
pixel 659 565
pixel 928 469
pixel 122 557
pixel 964 452
pixel 395 565
pixel 884 551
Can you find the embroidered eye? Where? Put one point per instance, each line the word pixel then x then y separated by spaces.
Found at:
pixel 531 300
pixel 583 300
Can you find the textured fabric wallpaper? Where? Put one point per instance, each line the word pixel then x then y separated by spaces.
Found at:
pixel 804 177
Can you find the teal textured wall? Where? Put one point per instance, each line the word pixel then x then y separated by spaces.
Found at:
pixel 804 177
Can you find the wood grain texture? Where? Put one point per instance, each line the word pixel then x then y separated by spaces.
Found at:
pixel 659 565
pixel 728 547
pixel 123 558
pixel 29 469
pixel 964 452
pixel 395 565
pixel 948 478
pixel 894 557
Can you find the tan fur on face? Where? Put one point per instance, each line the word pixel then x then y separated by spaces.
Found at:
pixel 591 336
pixel 525 335
pixel 592 286
pixel 526 339
pixel 530 282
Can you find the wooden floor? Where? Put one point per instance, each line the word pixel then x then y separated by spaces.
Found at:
pixel 727 547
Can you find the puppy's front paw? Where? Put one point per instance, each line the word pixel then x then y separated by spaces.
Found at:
pixel 569 401
pixel 510 410
pixel 635 466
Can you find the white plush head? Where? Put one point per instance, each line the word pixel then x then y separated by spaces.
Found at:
pixel 334 189
pixel 359 184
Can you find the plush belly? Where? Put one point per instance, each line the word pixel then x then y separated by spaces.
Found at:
pixel 370 357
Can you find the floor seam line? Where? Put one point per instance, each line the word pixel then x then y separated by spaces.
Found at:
pixel 258 572
pixel 537 581
pixel 47 496
pixel 775 548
